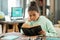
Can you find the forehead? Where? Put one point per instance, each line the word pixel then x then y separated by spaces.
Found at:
pixel 32 12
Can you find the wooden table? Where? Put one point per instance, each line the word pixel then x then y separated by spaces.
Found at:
pixel 23 37
pixel 15 25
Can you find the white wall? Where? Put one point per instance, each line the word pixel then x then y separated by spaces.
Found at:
pixel 0 5
pixel 4 6
pixel 57 10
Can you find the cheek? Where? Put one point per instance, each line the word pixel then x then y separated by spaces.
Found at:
pixel 32 18
pixel 36 17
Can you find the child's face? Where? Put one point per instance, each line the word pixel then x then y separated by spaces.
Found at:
pixel 33 15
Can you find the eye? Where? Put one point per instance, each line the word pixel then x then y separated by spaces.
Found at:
pixel 34 15
pixel 30 15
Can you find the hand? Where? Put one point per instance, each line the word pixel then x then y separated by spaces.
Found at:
pixel 29 19
pixel 42 32
pixel 26 26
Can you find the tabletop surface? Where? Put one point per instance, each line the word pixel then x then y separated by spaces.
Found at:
pixel 17 21
pixel 23 37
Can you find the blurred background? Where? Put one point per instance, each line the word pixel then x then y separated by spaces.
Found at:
pixel 17 9
pixel 49 8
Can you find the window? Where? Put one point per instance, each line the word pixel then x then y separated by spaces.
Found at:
pixel 14 3
pixel 26 9
pixel 47 7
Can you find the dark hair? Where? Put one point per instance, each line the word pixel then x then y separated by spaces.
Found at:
pixel 33 3
pixel 33 7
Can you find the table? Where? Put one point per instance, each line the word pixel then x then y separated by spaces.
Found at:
pixel 14 23
pixel 23 37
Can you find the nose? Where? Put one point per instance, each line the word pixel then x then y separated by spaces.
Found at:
pixel 32 17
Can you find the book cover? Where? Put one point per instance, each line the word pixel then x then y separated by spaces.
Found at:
pixel 32 31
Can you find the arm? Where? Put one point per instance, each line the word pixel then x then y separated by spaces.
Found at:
pixel 50 28
pixel 50 31
pixel 26 25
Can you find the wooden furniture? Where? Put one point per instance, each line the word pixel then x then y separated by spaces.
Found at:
pixel 14 26
pixel 0 29
pixel 23 37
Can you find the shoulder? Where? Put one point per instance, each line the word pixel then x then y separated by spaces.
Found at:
pixel 43 17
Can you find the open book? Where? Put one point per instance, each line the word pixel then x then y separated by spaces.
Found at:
pixel 32 31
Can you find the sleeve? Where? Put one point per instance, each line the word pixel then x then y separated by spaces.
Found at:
pixel 50 29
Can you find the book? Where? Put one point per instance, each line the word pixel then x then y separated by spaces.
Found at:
pixel 33 31
pixel 10 37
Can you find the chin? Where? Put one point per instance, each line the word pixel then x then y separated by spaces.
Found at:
pixel 34 20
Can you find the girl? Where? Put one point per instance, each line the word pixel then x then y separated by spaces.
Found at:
pixel 35 19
